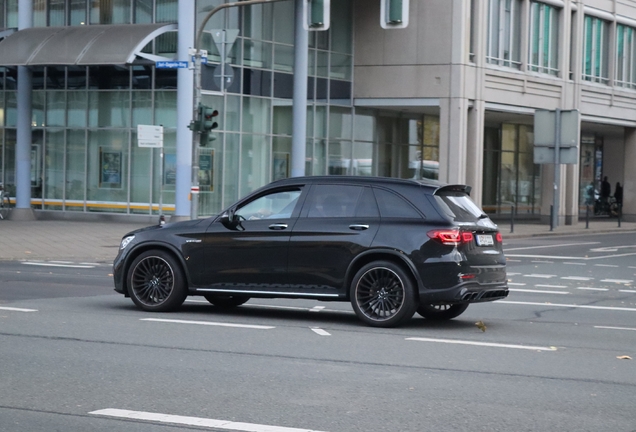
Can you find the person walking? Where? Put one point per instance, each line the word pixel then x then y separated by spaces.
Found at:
pixel 606 191
pixel 618 194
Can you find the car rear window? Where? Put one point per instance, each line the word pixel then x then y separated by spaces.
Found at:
pixel 458 206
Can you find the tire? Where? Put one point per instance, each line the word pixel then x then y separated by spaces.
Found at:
pixel 226 301
pixel 156 282
pixel 441 312
pixel 383 294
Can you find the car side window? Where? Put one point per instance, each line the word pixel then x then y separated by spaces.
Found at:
pixel 333 200
pixel 394 206
pixel 277 205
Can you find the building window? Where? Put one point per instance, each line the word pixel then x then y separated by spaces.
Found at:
pixel 544 39
pixel 504 36
pixel 625 56
pixel 595 51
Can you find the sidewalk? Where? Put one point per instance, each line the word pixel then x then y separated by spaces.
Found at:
pixel 98 241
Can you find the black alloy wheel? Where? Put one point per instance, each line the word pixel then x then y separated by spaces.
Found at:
pixel 226 301
pixel 382 294
pixel 441 312
pixel 156 282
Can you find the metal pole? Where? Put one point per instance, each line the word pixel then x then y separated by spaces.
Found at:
pixel 551 217
pixel 557 169
pixel 620 214
pixel 196 137
pixel 299 125
pixel 512 218
pixel 587 216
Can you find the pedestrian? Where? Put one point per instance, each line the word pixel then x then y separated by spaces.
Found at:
pixel 618 194
pixel 606 191
pixel 589 194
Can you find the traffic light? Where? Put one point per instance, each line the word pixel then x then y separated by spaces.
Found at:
pixel 394 14
pixel 316 14
pixel 207 118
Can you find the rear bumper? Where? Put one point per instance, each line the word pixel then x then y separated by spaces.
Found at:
pixel 467 292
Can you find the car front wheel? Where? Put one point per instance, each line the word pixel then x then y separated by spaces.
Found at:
pixel 226 301
pixel 383 295
pixel 441 312
pixel 156 282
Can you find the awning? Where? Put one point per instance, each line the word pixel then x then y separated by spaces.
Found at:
pixel 79 45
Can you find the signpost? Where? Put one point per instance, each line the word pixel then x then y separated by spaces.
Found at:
pixel 150 136
pixel 556 141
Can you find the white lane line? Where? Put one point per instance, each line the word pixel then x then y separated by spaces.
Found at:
pixel 632 267
pixel 545 304
pixel 17 309
pixel 592 289
pixel 538 291
pixel 316 309
pixel 513 274
pixel 606 265
pixel 614 328
pixel 577 278
pixel 543 262
pixel 50 264
pixel 618 281
pixel 542 276
pixel 544 256
pixel 627 291
pixel 511 260
pixel 570 263
pixel 321 332
pixel 550 246
pixel 516 284
pixel 208 323
pixel 194 421
pixel 487 344
pixel 550 286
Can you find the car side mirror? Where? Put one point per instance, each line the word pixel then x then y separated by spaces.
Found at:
pixel 229 219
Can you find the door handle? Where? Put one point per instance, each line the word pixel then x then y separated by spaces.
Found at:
pixel 278 226
pixel 358 227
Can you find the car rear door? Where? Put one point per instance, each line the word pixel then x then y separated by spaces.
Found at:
pixel 337 222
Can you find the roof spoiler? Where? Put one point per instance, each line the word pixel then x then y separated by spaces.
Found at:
pixel 454 188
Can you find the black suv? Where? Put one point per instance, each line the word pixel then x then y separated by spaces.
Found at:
pixel 391 247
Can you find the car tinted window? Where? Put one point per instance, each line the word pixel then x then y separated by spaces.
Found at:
pixel 367 206
pixel 392 205
pixel 333 200
pixel 458 206
pixel 277 205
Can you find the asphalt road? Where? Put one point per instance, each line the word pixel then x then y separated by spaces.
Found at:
pixel 76 356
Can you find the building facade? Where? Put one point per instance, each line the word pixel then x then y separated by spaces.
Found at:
pixel 450 97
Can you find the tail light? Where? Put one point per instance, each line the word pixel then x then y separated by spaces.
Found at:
pixel 499 237
pixel 451 237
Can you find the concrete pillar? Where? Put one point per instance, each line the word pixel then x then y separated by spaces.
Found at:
pixel 571 204
pixel 452 140
pixel 22 210
pixel 629 179
pixel 185 98
pixel 299 126
pixel 475 150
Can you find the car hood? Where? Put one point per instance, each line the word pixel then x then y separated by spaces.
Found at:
pixel 169 226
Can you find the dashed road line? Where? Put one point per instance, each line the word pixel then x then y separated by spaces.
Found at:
pixel 53 264
pixel 573 263
pixel 194 421
pixel 577 278
pixel 618 281
pixel 606 265
pixel 13 309
pixel 543 262
pixel 551 246
pixel 557 305
pixel 538 291
pixel 614 328
pixel 627 291
pixel 550 286
pixel 316 309
pixel 321 332
pixel 592 289
pixel 209 323
pixel 485 344
pixel 542 276
pixel 516 284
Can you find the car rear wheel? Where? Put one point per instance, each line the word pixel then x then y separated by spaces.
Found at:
pixel 226 301
pixel 156 282
pixel 441 312
pixel 382 294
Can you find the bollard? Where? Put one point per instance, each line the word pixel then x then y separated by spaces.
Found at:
pixel 512 219
pixel 620 214
pixel 551 217
pixel 587 216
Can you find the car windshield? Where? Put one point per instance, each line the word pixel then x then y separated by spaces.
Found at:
pixel 459 206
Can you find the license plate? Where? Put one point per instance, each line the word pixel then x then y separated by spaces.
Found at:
pixel 485 240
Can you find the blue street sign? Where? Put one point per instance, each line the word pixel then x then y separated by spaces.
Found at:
pixel 171 65
pixel 204 60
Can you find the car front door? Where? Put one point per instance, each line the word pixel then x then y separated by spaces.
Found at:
pixel 336 224
pixel 251 255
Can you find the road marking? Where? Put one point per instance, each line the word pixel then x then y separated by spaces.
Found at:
pixel 208 323
pixel 538 291
pixel 194 421
pixel 570 263
pixel 614 328
pixel 592 289
pixel 606 265
pixel 487 344
pixel 550 246
pixel 321 332
pixel 17 309
pixel 567 305
pixel 618 281
pixel 627 291
pixel 543 256
pixel 632 267
pixel 542 276
pixel 52 264
pixel 316 309
pixel 516 284
pixel 577 278
pixel 550 286
pixel 513 274
pixel 511 260
pixel 543 262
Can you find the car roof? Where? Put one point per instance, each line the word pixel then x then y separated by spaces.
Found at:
pixel 366 180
